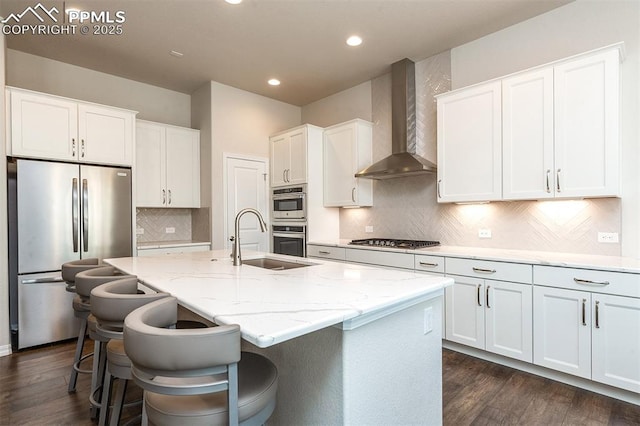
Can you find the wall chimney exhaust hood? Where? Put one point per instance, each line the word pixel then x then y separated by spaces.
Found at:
pixel 403 161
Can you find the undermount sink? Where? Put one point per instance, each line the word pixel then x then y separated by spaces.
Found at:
pixel 274 264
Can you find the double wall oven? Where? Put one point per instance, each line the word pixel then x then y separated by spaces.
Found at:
pixel 289 220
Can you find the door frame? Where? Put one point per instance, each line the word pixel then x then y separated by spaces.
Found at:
pixel 226 156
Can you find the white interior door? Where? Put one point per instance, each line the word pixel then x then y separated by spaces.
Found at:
pixel 246 187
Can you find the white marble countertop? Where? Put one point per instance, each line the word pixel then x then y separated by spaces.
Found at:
pixel 573 260
pixel 165 244
pixel 274 306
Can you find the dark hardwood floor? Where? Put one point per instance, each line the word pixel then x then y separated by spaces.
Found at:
pixel 33 391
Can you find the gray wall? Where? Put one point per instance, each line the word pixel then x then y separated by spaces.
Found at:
pixel 337 108
pixel 57 78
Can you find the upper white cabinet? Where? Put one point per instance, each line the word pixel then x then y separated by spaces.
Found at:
pixel 469 144
pixel 560 130
pixel 167 166
pixel 527 136
pixel 55 128
pixel 289 157
pixel 549 132
pixel 586 103
pixel 346 150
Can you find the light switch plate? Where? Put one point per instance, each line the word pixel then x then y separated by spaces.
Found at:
pixel 368 229
pixel 139 231
pixel 170 230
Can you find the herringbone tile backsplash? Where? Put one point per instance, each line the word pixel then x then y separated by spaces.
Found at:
pixel 407 207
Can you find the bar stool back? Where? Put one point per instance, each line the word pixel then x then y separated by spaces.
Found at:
pixel 197 376
pixel 80 310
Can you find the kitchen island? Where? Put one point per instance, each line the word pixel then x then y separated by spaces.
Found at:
pixel 353 344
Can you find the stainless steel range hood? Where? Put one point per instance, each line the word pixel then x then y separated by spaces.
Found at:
pixel 403 161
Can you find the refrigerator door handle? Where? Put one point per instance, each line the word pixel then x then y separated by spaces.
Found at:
pixel 42 280
pixel 85 215
pixel 74 213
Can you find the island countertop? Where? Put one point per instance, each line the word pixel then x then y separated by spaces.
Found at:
pixel 273 306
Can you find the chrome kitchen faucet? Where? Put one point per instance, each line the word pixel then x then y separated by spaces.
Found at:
pixel 235 253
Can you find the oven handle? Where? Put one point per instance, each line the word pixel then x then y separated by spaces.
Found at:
pixel 300 235
pixel 285 196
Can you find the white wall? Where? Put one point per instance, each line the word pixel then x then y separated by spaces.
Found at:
pixel 340 107
pixel 49 76
pixel 5 338
pixel 240 122
pixel 577 27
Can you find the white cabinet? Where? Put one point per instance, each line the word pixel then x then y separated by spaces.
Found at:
pixel 346 150
pixel 289 157
pixel 586 102
pixel 380 258
pixel 560 130
pixel 562 330
pixel 580 330
pixel 326 252
pixel 527 136
pixel 469 144
pixel 167 166
pixel 489 314
pixel 548 132
pixel 55 128
pixel 157 251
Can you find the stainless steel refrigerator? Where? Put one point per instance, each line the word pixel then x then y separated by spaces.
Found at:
pixel 59 212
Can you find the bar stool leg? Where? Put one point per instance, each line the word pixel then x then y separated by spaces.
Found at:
pixel 106 398
pixel 118 402
pixel 98 376
pixel 76 359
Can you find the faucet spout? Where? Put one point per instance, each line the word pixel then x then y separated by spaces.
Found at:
pixel 235 254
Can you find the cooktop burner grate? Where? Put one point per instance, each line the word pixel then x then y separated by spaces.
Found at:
pixel 389 242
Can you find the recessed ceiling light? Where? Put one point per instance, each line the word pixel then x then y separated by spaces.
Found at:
pixel 233 1
pixel 354 41
pixel 176 54
pixel 274 82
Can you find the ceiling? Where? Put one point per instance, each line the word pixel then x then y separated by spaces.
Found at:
pixel 300 42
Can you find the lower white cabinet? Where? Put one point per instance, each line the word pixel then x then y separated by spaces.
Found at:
pixel 590 335
pixel 156 251
pixel 326 252
pixel 490 315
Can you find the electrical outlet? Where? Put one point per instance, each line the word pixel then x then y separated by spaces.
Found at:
pixel 428 320
pixel 484 233
pixel 170 230
pixel 368 229
pixel 608 237
pixel 139 231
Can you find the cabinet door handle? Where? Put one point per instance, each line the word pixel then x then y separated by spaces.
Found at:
pixel 324 252
pixel 589 282
pixel 427 264
pixel 558 180
pixel 82 148
pixel 73 147
pixel 284 175
pixel 353 194
pixel 164 197
pixel 478 295
pixel 484 271
pixel 584 312
pixel 487 297
pixel 597 314
pixel 169 191
pixel 548 181
pixel 438 188
pixel 288 175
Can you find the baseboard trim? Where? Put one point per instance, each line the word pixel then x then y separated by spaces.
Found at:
pixel 613 392
pixel 5 350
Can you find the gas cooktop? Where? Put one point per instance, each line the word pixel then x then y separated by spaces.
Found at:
pixel 389 242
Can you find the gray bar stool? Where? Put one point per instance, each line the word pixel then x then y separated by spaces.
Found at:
pixel 80 310
pixel 198 376
pixel 110 304
pixel 85 282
